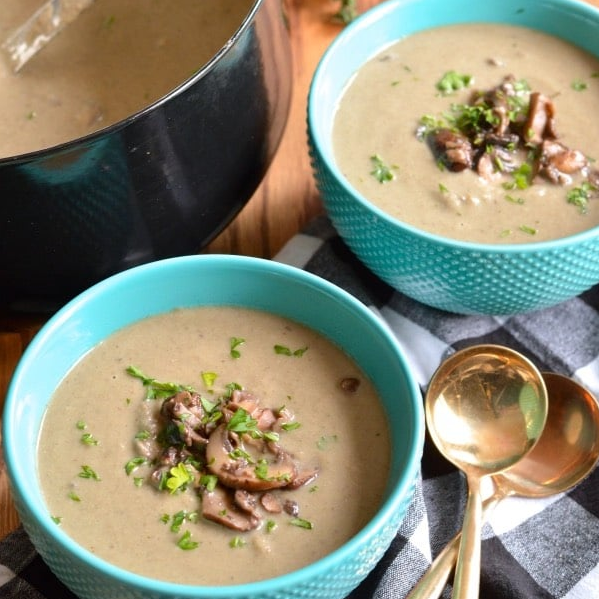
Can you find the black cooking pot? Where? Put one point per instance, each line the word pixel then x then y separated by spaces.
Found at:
pixel 161 183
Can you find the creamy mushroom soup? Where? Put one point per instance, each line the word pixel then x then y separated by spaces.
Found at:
pixel 214 446
pixel 478 132
pixel 116 58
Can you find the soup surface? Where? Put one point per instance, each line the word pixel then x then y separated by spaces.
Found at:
pixel 434 80
pixel 115 59
pixel 94 441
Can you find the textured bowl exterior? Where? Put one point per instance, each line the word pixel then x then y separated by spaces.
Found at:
pixel 460 277
pixel 211 280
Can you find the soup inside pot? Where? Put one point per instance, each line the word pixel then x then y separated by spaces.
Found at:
pixel 118 57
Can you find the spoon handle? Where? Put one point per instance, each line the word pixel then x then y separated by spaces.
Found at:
pixel 432 583
pixel 466 580
pixel 48 20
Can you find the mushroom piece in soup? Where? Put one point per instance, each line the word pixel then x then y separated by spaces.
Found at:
pixel 488 144
pixel 226 437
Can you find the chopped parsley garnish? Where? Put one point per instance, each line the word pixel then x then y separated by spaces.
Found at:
pixel 134 463
pixel 302 523
pixel 514 200
pixel 209 481
pixel 186 543
pixel 209 378
pixel 72 495
pixel 579 196
pixel 56 519
pixel 521 177
pixel 88 439
pixel 528 230
pixel 237 542
pixel 452 81
pixel 285 351
pixel 178 478
pixel 88 472
pixel 180 518
pixel 290 426
pixel 578 85
pixel 242 422
pixel 270 526
pixel 234 343
pixel 381 172
pixel 156 389
pixel 143 435
pixel 81 425
pixel 138 481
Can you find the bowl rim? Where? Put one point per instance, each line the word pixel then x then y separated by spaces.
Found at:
pixel 358 28
pixel 396 495
pixel 112 128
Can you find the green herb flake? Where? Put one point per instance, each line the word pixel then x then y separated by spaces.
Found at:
pixel 81 425
pixel 242 422
pixel 88 472
pixel 73 496
pixel 234 343
pixel 302 523
pixel 528 230
pixel 578 85
pixel 514 200
pixel 579 196
pixel 209 481
pixel 165 518
pixel 157 389
pixel 271 525
pixel 452 81
pixel 179 477
pixel 261 470
pixel 186 543
pixel 290 426
pixel 56 519
pixel 143 435
pixel 381 172
pixel 134 463
pixel 88 439
pixel 286 351
pixel 443 189
pixel 237 542
pixel 209 378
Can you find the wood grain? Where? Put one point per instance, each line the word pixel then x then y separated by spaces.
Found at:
pixel 285 201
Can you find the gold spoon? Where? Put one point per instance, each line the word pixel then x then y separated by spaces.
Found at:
pixel 41 27
pixel 567 451
pixel 485 407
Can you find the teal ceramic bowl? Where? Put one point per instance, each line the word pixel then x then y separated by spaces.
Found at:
pixel 210 280
pixel 460 277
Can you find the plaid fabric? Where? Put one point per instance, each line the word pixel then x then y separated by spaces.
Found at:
pixel 532 549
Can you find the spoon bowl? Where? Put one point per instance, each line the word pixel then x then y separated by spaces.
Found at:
pixel 566 452
pixel 486 407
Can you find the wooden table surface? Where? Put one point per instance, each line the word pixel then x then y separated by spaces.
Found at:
pixel 282 205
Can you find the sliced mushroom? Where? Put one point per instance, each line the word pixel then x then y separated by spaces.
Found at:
pixel 270 502
pixel 540 123
pixel 218 506
pixel 557 162
pixel 238 473
pixel 452 149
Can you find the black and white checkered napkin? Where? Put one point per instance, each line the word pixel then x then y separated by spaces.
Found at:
pixel 532 549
